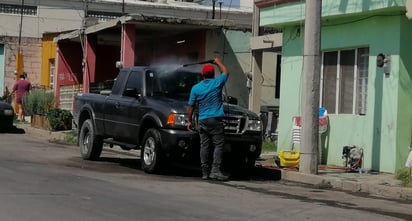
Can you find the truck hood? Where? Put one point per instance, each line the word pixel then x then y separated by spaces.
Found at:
pixel 231 109
pixel 180 106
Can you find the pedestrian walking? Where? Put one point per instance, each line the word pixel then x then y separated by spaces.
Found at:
pixel 21 88
pixel 207 96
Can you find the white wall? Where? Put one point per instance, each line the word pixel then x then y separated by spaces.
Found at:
pixel 48 19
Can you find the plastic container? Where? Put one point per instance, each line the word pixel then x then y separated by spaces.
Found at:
pixel 289 158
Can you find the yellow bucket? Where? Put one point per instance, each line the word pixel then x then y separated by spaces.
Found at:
pixel 289 158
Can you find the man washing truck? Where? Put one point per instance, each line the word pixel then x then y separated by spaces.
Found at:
pixel 207 94
pixel 147 110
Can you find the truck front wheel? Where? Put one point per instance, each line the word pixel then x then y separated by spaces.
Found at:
pixel 151 155
pixel 91 145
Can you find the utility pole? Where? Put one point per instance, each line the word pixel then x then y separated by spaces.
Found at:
pixel 19 59
pixel 213 8
pixel 311 88
pixel 83 40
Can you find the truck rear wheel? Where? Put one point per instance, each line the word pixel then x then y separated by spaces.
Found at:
pixel 91 145
pixel 151 155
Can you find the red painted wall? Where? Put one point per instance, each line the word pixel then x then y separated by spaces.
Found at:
pixel 69 68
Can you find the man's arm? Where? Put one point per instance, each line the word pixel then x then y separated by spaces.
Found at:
pixel 189 117
pixel 221 66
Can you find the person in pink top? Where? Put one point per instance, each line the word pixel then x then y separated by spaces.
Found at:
pixel 21 87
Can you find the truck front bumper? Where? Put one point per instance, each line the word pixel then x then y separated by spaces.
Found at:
pixel 179 142
pixel 183 142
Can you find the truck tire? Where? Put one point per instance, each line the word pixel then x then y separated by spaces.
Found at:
pixel 151 155
pixel 91 145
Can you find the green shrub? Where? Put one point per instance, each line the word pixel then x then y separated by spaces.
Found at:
pixel 269 146
pixel 404 175
pixel 59 119
pixel 38 102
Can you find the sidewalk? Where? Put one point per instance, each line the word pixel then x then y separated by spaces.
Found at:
pixel 375 184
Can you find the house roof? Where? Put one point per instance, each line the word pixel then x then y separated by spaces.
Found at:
pixel 291 12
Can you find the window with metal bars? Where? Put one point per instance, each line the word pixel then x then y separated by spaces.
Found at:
pixel 103 16
pixel 16 9
pixel 345 81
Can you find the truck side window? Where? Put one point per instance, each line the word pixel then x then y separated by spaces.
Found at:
pixel 134 83
pixel 117 88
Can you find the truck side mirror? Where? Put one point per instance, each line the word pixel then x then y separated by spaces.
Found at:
pixel 132 92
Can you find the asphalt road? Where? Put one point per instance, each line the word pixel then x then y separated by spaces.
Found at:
pixel 44 181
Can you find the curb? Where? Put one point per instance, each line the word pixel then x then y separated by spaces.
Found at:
pixel 386 191
pixel 43 134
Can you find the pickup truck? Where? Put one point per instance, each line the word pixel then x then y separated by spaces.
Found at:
pixel 146 109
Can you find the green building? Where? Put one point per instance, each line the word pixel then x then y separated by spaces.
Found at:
pixel 366 77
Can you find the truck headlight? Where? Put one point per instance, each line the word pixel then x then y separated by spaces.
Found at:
pixel 254 125
pixel 175 119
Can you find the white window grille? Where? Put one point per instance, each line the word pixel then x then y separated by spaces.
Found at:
pixel 16 9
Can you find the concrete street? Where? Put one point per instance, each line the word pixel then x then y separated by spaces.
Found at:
pixel 40 180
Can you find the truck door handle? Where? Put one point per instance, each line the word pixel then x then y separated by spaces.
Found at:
pixel 117 105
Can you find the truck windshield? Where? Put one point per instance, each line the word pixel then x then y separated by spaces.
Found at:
pixel 176 84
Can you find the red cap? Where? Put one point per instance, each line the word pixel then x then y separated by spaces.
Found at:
pixel 208 68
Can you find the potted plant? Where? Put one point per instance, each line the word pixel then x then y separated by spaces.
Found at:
pixel 36 104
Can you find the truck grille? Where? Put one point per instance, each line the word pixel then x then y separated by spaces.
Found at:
pixel 234 124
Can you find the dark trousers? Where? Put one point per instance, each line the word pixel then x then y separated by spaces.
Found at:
pixel 211 132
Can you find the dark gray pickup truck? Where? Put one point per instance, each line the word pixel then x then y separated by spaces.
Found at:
pixel 147 110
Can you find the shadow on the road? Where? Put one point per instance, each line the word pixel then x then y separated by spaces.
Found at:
pixel 13 130
pixel 174 169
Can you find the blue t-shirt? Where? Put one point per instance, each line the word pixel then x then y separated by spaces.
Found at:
pixel 208 94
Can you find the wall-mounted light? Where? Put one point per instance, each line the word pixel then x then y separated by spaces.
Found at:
pixel 180 41
pixel 379 60
pixel 384 61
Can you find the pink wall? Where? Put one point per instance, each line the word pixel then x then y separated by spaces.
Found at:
pixel 68 67
pixel 128 45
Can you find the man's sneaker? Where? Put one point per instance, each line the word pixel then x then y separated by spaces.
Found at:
pixel 205 173
pixel 205 176
pixel 218 176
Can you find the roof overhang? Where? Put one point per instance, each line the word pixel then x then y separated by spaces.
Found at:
pixel 156 23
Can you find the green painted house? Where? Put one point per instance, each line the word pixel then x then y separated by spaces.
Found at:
pixel 369 102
